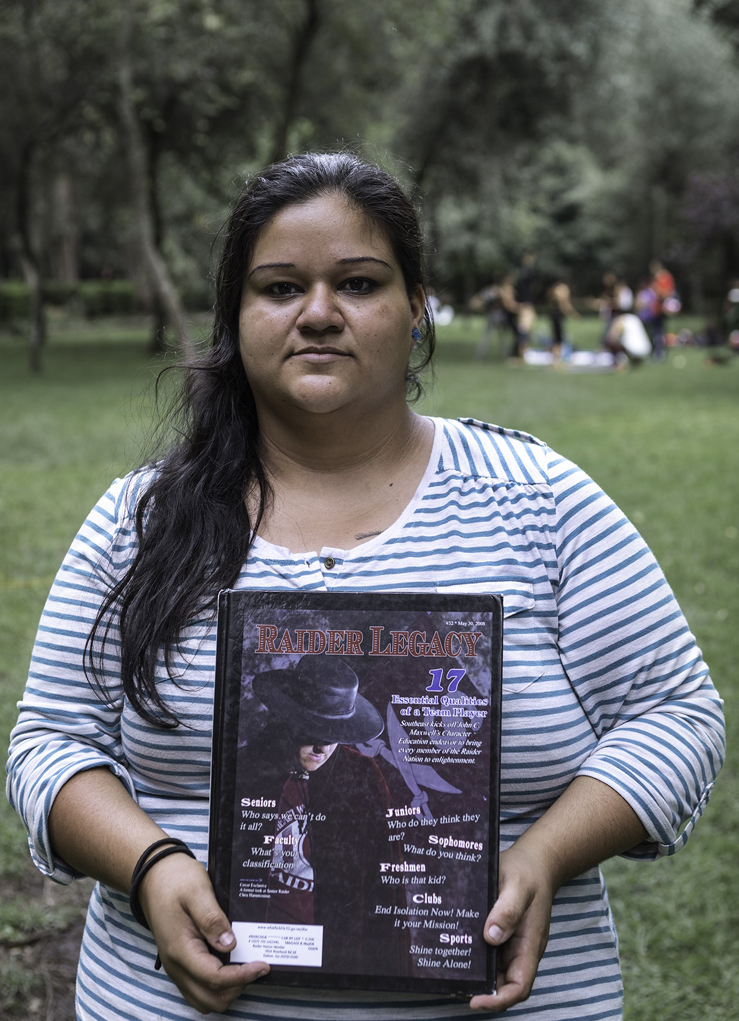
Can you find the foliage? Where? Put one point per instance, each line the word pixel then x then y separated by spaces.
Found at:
pixel 598 132
pixel 18 918
pixel 16 986
pixel 91 298
pixel 574 132
pixel 15 300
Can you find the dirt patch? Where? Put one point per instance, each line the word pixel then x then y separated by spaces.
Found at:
pixel 38 966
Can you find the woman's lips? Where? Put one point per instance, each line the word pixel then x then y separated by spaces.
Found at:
pixel 323 354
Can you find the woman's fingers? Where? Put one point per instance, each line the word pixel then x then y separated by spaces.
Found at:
pixel 211 922
pixel 516 894
pixel 206 983
pixel 519 926
pixel 179 903
pixel 519 958
pixel 518 962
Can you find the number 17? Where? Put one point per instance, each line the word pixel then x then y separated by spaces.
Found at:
pixel 454 676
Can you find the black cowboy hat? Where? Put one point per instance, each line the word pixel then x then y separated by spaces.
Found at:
pixel 319 699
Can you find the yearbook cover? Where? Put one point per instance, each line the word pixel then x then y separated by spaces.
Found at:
pixel 355 786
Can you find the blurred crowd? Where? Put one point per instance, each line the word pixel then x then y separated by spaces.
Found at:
pixel 635 321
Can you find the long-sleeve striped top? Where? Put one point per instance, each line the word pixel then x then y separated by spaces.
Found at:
pixel 602 678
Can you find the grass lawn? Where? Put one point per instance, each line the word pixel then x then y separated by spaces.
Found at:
pixel 662 440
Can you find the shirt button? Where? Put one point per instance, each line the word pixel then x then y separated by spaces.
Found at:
pixel 329 563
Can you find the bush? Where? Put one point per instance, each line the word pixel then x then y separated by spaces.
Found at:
pixel 106 297
pixel 58 293
pixel 93 298
pixel 15 300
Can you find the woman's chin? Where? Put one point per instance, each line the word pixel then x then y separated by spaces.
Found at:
pixel 320 395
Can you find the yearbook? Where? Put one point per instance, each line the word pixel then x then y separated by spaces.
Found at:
pixel 355 786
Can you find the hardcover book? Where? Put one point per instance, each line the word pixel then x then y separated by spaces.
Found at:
pixel 355 786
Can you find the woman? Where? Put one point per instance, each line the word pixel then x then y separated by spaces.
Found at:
pixel 560 304
pixel 627 340
pixel 302 466
pixel 513 311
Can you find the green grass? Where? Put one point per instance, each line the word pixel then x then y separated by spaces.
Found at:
pixel 19 918
pixel 65 434
pixel 662 440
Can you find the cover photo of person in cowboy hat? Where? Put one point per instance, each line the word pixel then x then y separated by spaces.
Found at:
pixel 327 834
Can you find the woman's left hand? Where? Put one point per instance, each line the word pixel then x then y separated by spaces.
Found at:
pixel 588 823
pixel 519 926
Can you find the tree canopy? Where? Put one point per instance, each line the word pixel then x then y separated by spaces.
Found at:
pixel 600 133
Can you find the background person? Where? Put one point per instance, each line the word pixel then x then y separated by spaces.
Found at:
pixel 627 339
pixel 731 316
pixel 525 295
pixel 489 303
pixel 512 310
pixel 644 304
pixel 666 303
pixel 502 308
pixel 559 301
pixel 615 299
pixel 301 465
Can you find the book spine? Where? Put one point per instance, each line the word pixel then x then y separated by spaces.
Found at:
pixel 222 645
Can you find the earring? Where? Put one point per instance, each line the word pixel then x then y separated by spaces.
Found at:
pixel 416 334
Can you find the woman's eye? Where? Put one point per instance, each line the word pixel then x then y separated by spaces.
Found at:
pixel 359 285
pixel 281 289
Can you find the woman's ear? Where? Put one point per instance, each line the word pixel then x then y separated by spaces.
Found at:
pixel 418 306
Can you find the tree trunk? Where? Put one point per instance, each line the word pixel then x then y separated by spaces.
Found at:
pixel 29 260
pixel 298 56
pixel 659 202
pixel 697 297
pixel 730 253
pixel 64 247
pixel 158 342
pixel 36 318
pixel 162 285
pixel 442 108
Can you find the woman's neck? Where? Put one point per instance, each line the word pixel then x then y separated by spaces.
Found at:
pixel 317 445
pixel 334 487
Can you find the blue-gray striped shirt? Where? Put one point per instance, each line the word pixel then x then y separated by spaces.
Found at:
pixel 602 678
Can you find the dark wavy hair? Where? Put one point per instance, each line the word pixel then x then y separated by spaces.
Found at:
pixel 194 531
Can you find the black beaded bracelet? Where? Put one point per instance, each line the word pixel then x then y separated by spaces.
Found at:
pixel 176 846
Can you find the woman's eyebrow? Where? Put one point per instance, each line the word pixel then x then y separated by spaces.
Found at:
pixel 362 258
pixel 339 262
pixel 272 265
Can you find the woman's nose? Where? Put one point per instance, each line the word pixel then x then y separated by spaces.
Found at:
pixel 320 310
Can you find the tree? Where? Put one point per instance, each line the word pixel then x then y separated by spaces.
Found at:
pixel 590 130
pixel 497 85
pixel 49 60
pixel 140 175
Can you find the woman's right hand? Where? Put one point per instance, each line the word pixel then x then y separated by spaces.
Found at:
pixel 177 899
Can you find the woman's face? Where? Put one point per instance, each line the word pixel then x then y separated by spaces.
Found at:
pixel 313 756
pixel 326 319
